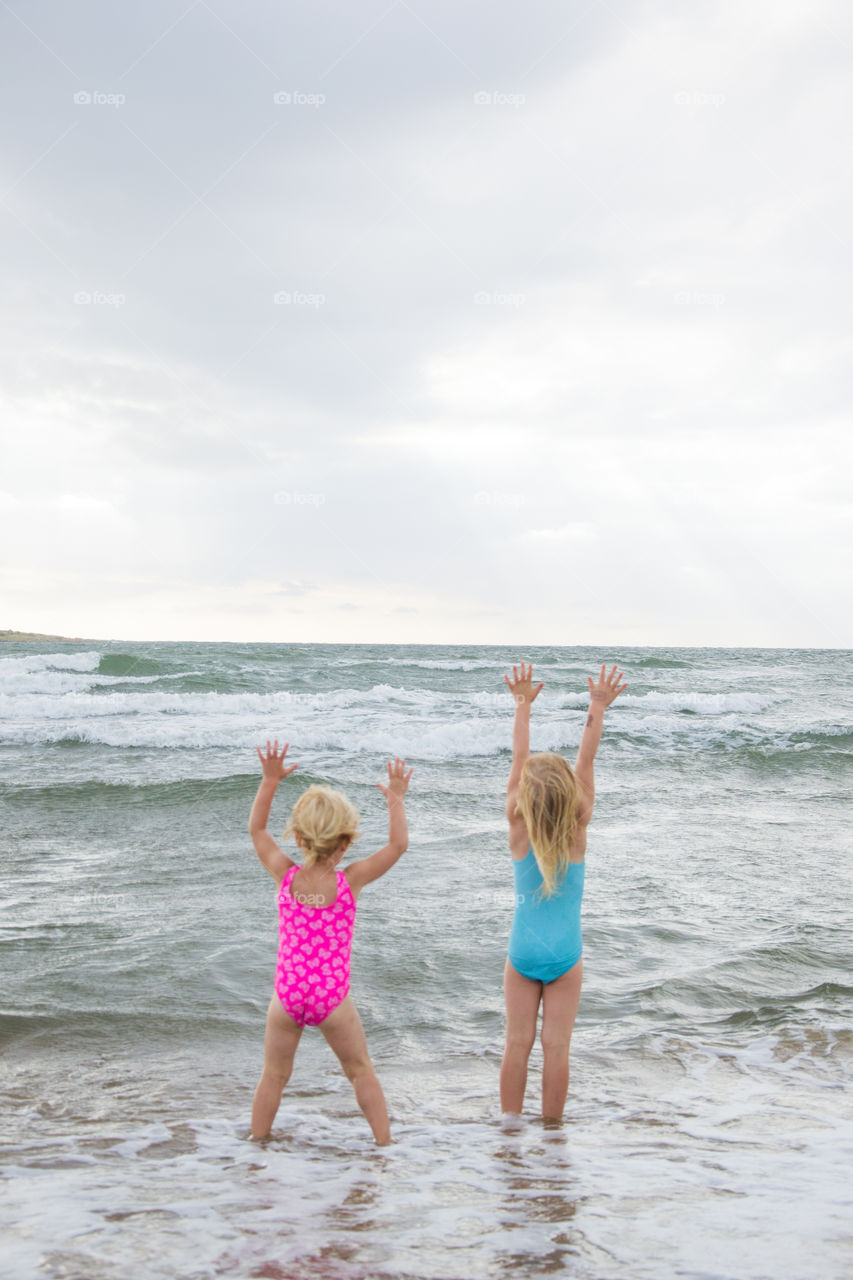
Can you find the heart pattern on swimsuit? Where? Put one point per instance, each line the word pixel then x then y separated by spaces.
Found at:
pixel 313 971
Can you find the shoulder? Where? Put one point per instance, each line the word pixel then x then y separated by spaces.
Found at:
pixel 577 853
pixel 283 881
pixel 519 840
pixel 354 877
pixel 587 801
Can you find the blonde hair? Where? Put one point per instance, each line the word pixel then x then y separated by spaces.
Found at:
pixel 549 801
pixel 322 819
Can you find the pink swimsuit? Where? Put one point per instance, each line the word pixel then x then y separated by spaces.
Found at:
pixel 312 974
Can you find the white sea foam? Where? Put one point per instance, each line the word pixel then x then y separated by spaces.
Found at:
pixel 437 741
pixel 50 662
pixel 708 704
pixel 719 1161
pixel 60 682
pixel 45 691
pixel 52 704
pixel 446 664
pixel 53 694
pixel 414 723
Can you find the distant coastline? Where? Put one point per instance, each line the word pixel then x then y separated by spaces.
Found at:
pixel 37 635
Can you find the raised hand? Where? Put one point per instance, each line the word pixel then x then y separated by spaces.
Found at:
pixel 521 686
pixel 398 779
pixel 607 687
pixel 273 762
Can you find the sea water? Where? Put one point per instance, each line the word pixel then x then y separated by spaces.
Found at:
pixel 708 1131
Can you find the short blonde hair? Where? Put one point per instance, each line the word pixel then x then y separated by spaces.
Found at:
pixel 549 801
pixel 323 819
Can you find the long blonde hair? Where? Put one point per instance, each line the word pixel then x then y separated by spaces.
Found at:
pixel 549 801
pixel 323 819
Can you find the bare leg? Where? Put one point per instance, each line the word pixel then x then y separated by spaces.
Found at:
pixel 280 1041
pixel 560 1000
pixel 522 1007
pixel 345 1034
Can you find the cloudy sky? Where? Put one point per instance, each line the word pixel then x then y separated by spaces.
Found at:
pixel 420 321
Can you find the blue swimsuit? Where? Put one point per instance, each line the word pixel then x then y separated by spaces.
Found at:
pixel 545 940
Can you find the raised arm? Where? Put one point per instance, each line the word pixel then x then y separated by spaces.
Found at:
pixel 601 694
pixel 270 853
pixel 364 870
pixel 524 693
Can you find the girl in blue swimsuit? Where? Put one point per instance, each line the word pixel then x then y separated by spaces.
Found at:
pixel 548 806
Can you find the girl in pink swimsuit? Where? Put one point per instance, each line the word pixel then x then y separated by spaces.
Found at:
pixel 317 906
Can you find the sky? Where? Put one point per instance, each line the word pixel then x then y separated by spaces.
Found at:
pixel 409 322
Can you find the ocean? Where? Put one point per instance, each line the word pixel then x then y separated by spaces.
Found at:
pixel 709 1128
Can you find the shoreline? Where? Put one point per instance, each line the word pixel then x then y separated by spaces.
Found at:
pixel 12 636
